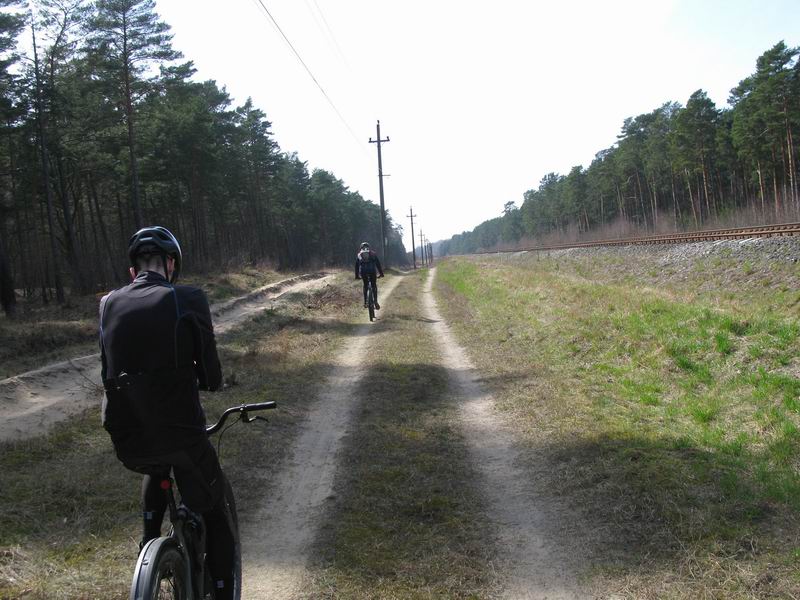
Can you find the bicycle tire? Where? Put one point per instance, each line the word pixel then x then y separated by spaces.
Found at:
pixel 233 523
pixel 161 572
pixel 370 304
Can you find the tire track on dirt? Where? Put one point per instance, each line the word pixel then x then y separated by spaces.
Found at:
pixel 277 538
pixel 30 403
pixel 538 569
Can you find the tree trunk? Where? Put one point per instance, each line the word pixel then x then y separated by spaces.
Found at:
pixel 69 229
pixel 60 297
pixel 691 198
pixel 675 209
pixel 620 201
pixel 20 235
pixel 709 212
pixel 790 152
pixel 126 76
pixel 115 274
pixel 602 211
pixel 654 200
pixel 641 198
pixel 775 192
pixel 8 298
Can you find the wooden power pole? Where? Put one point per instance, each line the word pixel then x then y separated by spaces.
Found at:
pixel 411 216
pixel 379 141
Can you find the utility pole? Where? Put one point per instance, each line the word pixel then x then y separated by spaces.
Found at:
pixel 379 141
pixel 422 247
pixel 411 216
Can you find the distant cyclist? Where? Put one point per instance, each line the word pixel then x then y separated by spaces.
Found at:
pixel 368 269
pixel 157 348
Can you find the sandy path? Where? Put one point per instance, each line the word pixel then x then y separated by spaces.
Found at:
pixel 538 569
pixel 276 539
pixel 31 402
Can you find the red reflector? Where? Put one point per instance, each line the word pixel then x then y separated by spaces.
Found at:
pixel 166 484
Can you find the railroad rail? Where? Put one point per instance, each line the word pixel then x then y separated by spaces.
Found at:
pixel 777 230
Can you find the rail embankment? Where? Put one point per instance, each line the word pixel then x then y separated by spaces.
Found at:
pixel 658 391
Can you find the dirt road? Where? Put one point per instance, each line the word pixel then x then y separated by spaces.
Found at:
pixel 276 540
pixel 32 402
pixel 537 568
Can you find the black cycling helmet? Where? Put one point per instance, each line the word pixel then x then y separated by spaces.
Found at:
pixel 156 240
pixel 364 245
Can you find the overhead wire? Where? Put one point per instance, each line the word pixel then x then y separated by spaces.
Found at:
pixel 330 32
pixel 310 74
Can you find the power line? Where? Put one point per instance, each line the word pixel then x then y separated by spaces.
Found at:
pixel 310 74
pixel 330 31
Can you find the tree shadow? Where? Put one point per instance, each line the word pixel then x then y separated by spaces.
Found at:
pixel 635 503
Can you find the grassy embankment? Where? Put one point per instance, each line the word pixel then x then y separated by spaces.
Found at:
pixel 69 522
pixel 406 520
pixel 662 406
pixel 41 334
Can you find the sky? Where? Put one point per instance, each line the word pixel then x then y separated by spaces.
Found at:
pixel 479 99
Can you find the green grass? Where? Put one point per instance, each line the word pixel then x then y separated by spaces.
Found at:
pixel 670 418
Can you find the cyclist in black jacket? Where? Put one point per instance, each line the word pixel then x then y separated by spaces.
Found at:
pixel 368 269
pixel 157 349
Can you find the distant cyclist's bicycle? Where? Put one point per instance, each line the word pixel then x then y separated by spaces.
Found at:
pixel 174 567
pixel 371 303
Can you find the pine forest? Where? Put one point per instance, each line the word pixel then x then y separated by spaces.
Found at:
pixel 105 129
pixel 676 168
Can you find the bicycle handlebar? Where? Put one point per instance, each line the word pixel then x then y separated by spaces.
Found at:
pixel 243 411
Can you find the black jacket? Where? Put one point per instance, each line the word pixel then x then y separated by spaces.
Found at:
pixel 368 265
pixel 157 347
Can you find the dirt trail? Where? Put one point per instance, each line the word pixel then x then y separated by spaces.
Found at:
pixel 276 539
pixel 538 569
pixel 32 402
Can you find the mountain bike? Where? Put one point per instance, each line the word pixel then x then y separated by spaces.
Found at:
pixel 174 567
pixel 370 302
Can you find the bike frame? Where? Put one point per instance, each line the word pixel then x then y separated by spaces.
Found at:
pixel 188 528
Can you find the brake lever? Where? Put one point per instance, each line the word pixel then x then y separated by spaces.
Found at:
pixel 248 419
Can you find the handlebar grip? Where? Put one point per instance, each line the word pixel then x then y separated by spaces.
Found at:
pixel 259 406
pixel 242 409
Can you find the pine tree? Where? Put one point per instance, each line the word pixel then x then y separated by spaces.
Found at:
pixel 127 38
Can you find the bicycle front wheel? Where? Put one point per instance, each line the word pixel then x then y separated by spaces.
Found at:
pixel 161 572
pixel 233 523
pixel 371 305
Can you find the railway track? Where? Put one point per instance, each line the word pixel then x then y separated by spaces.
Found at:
pixel 778 230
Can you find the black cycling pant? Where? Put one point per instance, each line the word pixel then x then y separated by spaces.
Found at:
pixel 371 279
pixel 201 484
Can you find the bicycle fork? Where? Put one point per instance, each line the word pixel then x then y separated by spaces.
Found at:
pixel 189 529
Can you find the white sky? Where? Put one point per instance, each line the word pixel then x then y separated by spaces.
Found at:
pixel 480 99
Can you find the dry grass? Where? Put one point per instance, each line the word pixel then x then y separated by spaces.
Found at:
pixel 42 334
pixel 69 511
pixel 406 520
pixel 671 425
